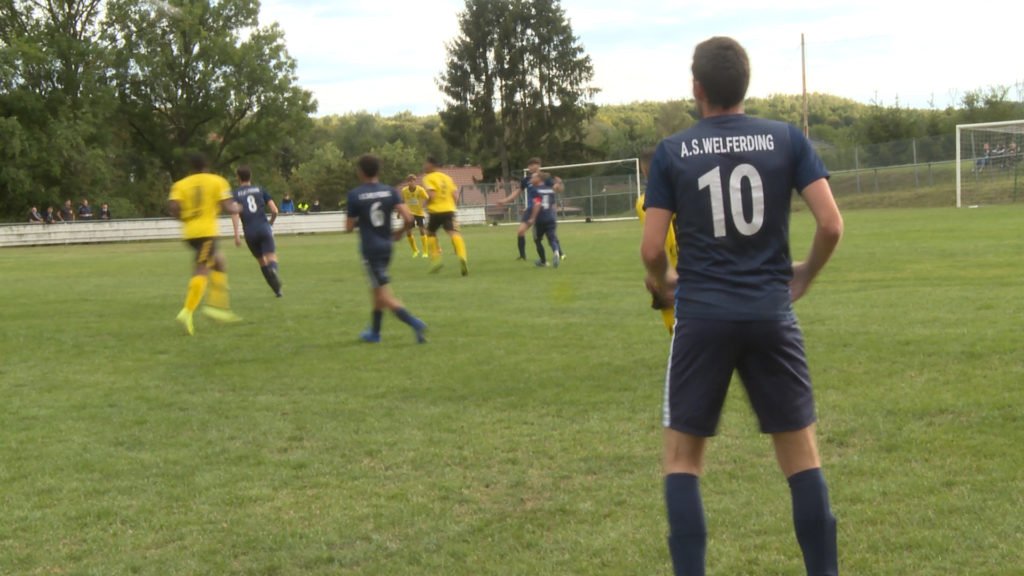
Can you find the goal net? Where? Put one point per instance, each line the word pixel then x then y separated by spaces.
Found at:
pixel 605 190
pixel 988 168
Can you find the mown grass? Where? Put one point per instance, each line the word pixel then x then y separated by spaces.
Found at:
pixel 522 439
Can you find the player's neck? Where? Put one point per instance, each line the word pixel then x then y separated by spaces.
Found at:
pixel 713 111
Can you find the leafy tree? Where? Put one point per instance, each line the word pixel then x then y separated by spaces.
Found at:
pixel 516 81
pixel 201 74
pixel 54 104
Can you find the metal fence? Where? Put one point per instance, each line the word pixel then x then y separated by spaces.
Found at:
pixel 914 172
pixel 592 197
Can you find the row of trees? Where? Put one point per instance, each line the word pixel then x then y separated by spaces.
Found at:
pixel 105 98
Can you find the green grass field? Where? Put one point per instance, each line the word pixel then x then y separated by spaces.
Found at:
pixel 523 438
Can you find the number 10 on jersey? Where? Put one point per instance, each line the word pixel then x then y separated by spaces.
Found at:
pixel 712 180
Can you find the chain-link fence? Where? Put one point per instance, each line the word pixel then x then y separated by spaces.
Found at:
pixel 914 172
pixel 593 197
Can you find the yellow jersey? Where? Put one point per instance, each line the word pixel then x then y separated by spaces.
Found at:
pixel 444 192
pixel 199 197
pixel 671 248
pixel 415 198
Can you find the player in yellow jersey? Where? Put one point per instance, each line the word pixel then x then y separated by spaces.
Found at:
pixel 415 197
pixel 667 309
pixel 196 200
pixel 441 208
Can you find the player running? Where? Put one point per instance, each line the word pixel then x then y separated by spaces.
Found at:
pixel 196 200
pixel 415 198
pixel 253 202
pixel 441 208
pixel 370 208
pixel 728 180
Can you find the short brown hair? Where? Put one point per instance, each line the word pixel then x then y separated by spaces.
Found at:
pixel 721 66
pixel 533 160
pixel 244 173
pixel 369 165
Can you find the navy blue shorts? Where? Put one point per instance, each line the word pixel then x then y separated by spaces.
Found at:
pixel 260 242
pixel 769 357
pixel 526 215
pixel 419 221
pixel 377 269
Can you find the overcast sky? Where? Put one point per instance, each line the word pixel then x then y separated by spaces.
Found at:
pixel 384 56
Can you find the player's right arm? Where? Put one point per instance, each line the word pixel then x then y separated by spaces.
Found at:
pixel 235 221
pixel 828 232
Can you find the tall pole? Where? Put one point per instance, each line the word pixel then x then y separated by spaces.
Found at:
pixel 803 68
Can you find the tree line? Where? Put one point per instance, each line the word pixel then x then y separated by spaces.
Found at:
pixel 104 99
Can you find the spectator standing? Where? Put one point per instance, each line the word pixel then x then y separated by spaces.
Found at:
pixel 67 213
pixel 84 210
pixel 287 205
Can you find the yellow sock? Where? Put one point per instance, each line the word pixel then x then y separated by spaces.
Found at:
pixel 668 316
pixel 196 289
pixel 219 290
pixel 432 247
pixel 412 243
pixel 460 247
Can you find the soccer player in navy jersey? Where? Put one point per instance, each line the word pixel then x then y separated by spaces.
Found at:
pixel 542 216
pixel 728 180
pixel 370 208
pixel 253 202
pixel 532 168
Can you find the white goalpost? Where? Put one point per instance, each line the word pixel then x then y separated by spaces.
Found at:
pixel 600 196
pixel 988 163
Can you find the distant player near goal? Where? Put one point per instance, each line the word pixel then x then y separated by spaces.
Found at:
pixel 532 167
pixel 729 180
pixel 253 202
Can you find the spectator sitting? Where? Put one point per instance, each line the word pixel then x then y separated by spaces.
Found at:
pixel 303 207
pixel 316 205
pixel 287 205
pixel 1012 153
pixel 67 214
pixel 50 217
pixel 84 210
pixel 980 163
pixel 104 211
pixel 34 217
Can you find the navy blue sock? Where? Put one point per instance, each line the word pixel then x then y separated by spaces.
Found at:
pixel 521 241
pixel 814 523
pixel 688 533
pixel 270 275
pixel 378 316
pixel 540 252
pixel 406 317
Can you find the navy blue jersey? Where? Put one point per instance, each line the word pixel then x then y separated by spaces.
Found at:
pixel 253 200
pixel 730 180
pixel 373 205
pixel 545 196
